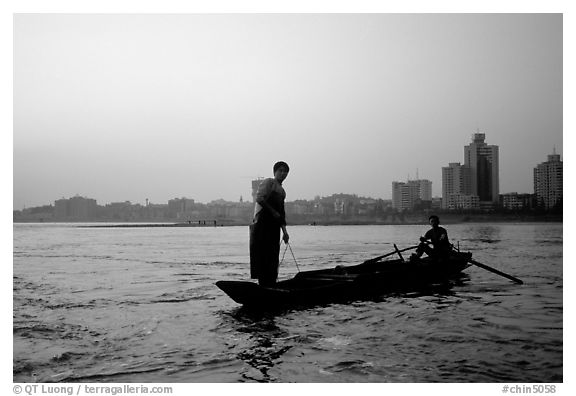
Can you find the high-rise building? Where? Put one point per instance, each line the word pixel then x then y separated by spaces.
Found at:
pixel 406 195
pixel 482 159
pixel 456 179
pixel 457 187
pixel 425 192
pixel 548 182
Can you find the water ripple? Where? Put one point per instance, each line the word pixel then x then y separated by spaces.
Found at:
pixel 119 306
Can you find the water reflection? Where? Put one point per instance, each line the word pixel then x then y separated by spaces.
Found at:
pixel 261 339
pixel 484 234
pixel 262 349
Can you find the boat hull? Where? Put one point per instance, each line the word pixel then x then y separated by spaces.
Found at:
pixel 345 283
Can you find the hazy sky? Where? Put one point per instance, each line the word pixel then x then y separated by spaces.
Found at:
pixel 129 107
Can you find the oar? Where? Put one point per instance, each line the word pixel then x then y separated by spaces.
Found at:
pixel 373 260
pixel 487 268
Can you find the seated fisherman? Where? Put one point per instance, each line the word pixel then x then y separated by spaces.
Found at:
pixel 438 236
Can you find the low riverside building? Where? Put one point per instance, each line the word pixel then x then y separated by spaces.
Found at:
pixel 515 201
pixel 75 209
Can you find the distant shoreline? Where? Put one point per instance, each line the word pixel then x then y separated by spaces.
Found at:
pixel 146 225
pixel 408 220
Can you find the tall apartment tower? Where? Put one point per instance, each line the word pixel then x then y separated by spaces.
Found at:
pixel 548 182
pixel 457 187
pixel 482 159
pixel 425 189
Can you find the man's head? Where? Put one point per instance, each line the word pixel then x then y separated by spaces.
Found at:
pixel 281 164
pixel 434 220
pixel 281 170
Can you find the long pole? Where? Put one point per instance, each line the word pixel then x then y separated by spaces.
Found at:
pixel 375 259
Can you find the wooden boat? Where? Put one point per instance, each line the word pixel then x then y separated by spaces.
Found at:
pixel 345 283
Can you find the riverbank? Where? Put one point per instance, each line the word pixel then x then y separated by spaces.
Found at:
pixel 446 218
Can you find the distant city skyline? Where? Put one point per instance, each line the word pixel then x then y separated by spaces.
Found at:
pixel 249 197
pixel 408 181
pixel 424 189
pixel 135 107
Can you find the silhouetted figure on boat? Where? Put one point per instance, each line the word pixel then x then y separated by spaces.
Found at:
pixel 269 219
pixel 437 237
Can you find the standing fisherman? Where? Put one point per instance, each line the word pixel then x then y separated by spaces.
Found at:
pixel 269 219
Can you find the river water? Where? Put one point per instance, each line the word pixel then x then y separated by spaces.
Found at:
pixel 140 305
